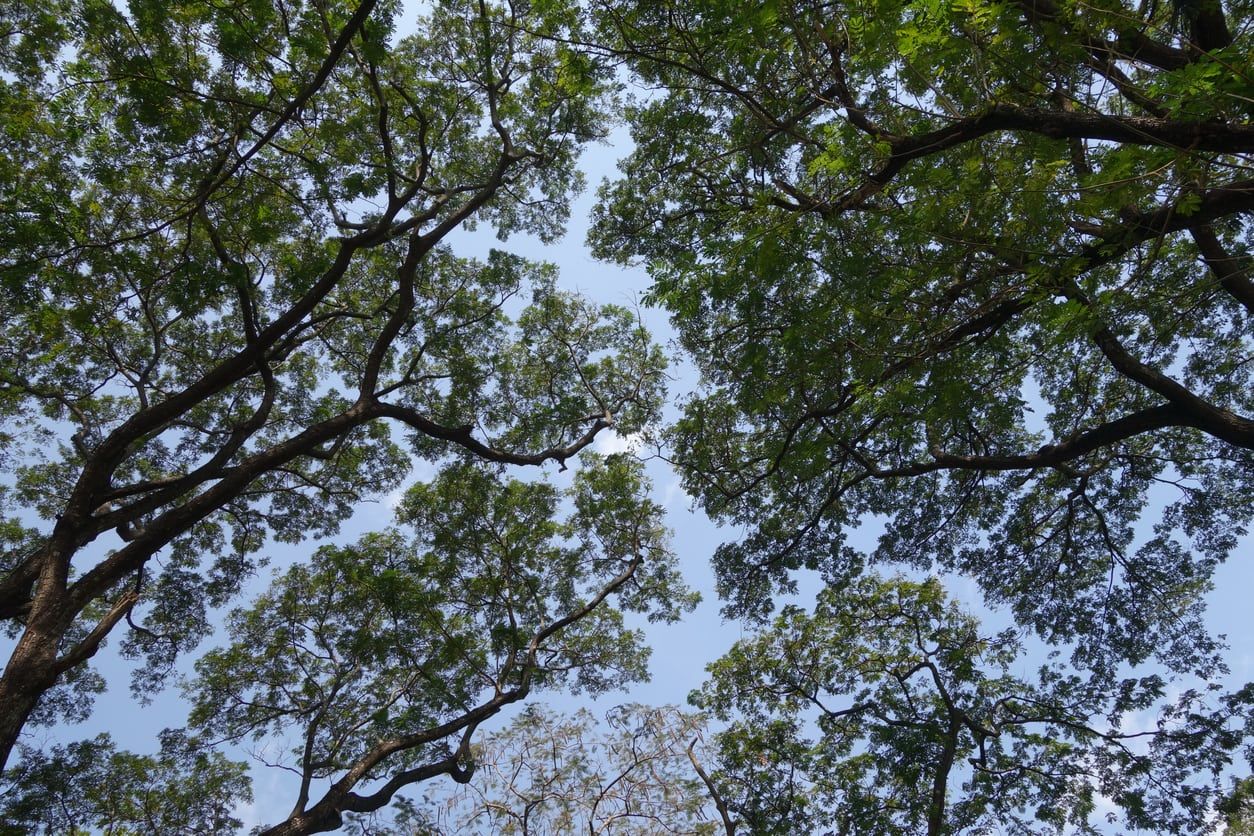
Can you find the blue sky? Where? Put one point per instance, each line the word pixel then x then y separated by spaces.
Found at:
pixel 681 651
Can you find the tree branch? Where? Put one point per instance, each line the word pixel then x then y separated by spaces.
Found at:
pixel 1233 272
pixel 729 824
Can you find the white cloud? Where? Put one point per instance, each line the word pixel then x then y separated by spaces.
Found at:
pixel 610 442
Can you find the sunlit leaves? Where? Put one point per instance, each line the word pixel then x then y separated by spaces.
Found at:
pixel 230 311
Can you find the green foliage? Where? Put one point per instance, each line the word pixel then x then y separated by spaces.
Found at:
pixel 90 786
pixel 224 286
pixel 979 269
pixel 886 710
pixel 229 315
pixel 1238 808
pixel 377 657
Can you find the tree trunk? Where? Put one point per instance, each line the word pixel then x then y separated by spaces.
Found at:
pixel 31 671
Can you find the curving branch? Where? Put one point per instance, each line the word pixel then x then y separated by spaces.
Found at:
pixel 1231 271
pixel 724 813
pixel 327 813
pixel 463 436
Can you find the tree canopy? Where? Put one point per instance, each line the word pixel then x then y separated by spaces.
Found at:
pixel 888 710
pixel 90 785
pixel 977 274
pixel 230 315
pixel 379 661
pixel 979 269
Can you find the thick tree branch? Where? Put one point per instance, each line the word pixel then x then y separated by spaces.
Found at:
pixel 87 647
pixel 940 779
pixel 1056 455
pixel 463 436
pixel 162 530
pixel 1217 421
pixel 351 28
pixel 1232 271
pixel 1209 24
pixel 1062 124
pixel 1130 43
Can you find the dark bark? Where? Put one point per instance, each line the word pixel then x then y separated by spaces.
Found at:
pixel 1130 43
pixel 940 779
pixel 149 515
pixel 1231 271
pixel 39 590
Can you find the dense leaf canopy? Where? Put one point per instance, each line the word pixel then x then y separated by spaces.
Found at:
pixel 980 269
pixel 888 710
pixel 977 273
pixel 91 786
pixel 378 661
pixel 229 314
